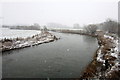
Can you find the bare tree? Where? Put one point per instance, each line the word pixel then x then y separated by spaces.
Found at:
pixel 91 29
pixel 110 26
pixel 45 29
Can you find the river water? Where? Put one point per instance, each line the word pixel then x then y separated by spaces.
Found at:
pixel 64 58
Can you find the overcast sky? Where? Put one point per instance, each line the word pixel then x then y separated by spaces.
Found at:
pixel 65 12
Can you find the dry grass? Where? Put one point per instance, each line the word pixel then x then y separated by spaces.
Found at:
pixel 95 67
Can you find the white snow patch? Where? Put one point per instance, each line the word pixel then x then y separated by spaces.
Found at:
pixel 114 55
pixel 99 57
pixel 23 44
pixel 116 48
pixel 12 33
pixel 107 36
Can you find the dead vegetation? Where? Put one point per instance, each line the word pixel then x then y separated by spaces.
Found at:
pixel 106 62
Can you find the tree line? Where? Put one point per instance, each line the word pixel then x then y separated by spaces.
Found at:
pixel 109 26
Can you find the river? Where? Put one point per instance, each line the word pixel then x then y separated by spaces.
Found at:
pixel 64 58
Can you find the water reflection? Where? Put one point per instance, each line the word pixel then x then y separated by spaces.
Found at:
pixel 89 39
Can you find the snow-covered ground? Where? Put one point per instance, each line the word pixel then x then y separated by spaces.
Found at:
pixel 12 33
pixel 27 40
pixel 112 56
pixel 119 44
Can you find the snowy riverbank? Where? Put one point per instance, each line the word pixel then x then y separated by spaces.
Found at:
pixel 106 62
pixel 18 43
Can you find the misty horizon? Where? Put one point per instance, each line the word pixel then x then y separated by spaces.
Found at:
pixel 62 12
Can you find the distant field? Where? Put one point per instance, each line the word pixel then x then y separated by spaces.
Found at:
pixel 11 33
